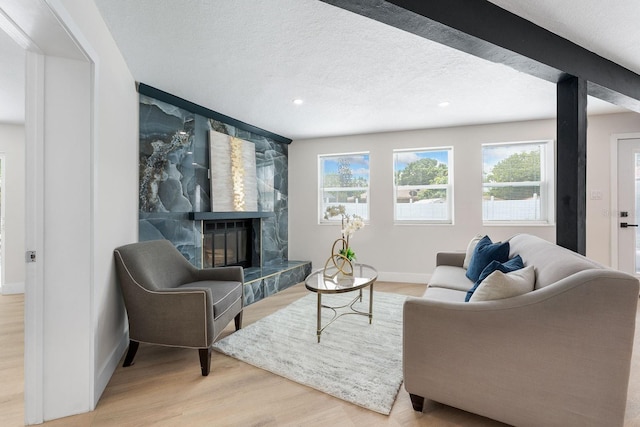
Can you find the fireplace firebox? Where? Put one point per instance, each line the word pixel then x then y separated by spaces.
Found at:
pixel 226 242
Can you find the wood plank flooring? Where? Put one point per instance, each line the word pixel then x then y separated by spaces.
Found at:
pixel 164 386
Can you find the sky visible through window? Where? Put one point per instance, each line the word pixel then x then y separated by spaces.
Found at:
pixel 359 165
pixel 492 154
pixel 403 158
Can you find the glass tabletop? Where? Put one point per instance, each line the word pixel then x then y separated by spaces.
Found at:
pixel 328 281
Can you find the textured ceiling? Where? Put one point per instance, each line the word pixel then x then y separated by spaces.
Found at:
pixel 250 60
pixel 607 28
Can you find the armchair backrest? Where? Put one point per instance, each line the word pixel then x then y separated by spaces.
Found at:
pixel 154 264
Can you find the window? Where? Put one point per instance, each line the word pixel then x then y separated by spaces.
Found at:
pixel 423 185
pixel 344 180
pixel 517 182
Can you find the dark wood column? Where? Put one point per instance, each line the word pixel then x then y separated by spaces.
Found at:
pixel 571 175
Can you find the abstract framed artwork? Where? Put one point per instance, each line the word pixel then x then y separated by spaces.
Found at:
pixel 234 186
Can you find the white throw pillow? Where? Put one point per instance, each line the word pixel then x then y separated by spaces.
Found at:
pixel 499 285
pixel 472 245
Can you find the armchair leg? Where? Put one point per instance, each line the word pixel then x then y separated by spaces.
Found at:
pixel 131 353
pixel 205 360
pixel 417 402
pixel 238 320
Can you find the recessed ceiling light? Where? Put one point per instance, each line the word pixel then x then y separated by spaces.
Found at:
pixel 444 104
pixel 298 101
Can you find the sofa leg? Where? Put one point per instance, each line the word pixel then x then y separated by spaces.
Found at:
pixel 417 402
pixel 131 353
pixel 205 360
pixel 238 320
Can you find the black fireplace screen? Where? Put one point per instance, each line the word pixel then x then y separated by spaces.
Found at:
pixel 226 243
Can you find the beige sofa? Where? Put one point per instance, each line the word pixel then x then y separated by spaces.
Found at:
pixel 557 356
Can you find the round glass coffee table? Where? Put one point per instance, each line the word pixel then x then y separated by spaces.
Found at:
pixel 328 282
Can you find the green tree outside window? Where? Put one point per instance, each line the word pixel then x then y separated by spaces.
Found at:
pixel 425 171
pixel 518 167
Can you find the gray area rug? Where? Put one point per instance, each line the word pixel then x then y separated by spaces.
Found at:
pixel 354 361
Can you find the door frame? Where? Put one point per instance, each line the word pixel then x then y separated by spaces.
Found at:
pixel 34 220
pixel 613 207
pixel 3 212
pixel 35 336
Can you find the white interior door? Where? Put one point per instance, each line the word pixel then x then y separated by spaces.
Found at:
pixel 628 211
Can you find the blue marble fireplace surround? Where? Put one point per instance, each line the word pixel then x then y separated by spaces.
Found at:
pixel 175 188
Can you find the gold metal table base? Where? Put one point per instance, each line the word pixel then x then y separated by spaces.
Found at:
pixel 349 305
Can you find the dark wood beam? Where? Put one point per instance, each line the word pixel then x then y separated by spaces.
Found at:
pixel 571 157
pixel 483 29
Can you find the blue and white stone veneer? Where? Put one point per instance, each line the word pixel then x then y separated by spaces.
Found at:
pixel 261 283
pixel 174 163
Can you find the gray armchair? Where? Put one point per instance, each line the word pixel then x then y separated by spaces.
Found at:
pixel 170 302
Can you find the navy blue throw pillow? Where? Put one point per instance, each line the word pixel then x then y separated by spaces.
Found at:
pixel 483 254
pixel 513 264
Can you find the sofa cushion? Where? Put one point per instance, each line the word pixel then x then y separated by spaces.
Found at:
pixel 448 276
pixel 513 264
pixel 485 252
pixel 499 285
pixel 444 294
pixel 470 248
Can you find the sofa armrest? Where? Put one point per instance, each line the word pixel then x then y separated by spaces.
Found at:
pixel 174 316
pixel 455 259
pixel 227 274
pixel 565 348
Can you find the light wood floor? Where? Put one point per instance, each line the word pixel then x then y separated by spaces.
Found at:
pixel 164 386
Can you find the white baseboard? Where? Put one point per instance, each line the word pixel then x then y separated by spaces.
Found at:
pixel 390 276
pixel 12 288
pixel 108 368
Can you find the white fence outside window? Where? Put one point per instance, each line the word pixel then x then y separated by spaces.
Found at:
pixel 511 210
pixel 354 208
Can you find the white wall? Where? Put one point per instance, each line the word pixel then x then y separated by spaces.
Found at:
pixel 114 178
pixel 407 252
pixel 12 146
pixel 115 184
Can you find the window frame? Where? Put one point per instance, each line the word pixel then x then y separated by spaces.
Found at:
pixel 448 187
pixel 321 189
pixel 546 184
